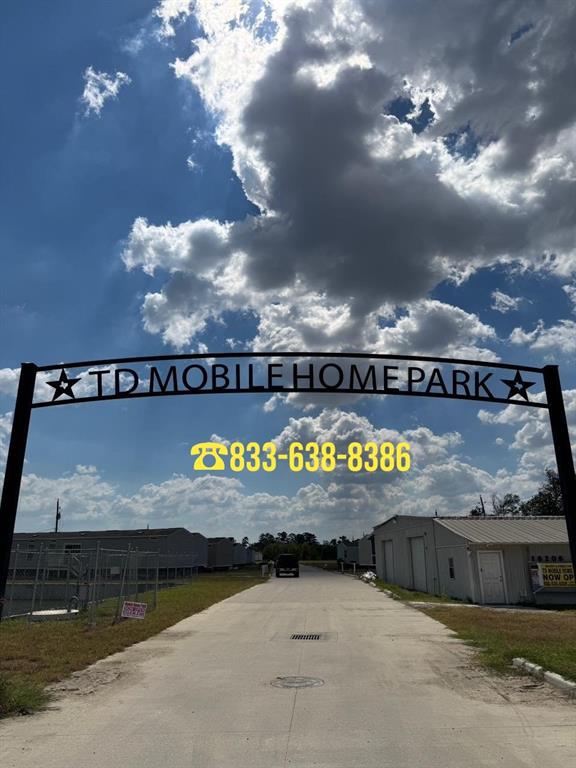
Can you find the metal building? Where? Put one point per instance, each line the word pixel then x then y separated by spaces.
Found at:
pixel 220 552
pixel 186 549
pixel 479 560
pixel 47 569
pixel 366 552
pixel 347 552
pixel 242 555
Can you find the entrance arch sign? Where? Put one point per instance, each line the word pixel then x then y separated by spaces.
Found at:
pixel 361 374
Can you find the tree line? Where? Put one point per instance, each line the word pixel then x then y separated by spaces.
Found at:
pixel 305 545
pixel 546 501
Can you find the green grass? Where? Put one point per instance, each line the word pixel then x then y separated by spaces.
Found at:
pixel 35 654
pixel 546 638
pixel 18 697
pixel 411 595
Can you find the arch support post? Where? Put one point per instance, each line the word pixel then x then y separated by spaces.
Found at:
pixel 13 471
pixel 563 451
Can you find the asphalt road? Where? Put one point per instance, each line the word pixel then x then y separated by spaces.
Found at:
pixel 398 690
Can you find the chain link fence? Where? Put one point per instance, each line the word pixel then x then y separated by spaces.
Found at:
pixel 49 583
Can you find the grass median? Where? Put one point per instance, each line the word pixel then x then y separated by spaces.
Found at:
pixel 37 653
pixel 545 638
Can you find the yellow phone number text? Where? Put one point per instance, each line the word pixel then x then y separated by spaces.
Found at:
pixel 311 457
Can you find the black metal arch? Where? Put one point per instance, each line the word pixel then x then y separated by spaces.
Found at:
pixel 198 358
pixel 460 382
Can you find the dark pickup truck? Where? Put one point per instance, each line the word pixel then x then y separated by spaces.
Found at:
pixel 287 564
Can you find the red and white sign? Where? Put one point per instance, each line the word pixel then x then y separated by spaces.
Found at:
pixel 133 610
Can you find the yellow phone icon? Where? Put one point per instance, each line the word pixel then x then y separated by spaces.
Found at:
pixel 210 450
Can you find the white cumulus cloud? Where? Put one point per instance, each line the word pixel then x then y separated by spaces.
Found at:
pixel 99 87
pixel 501 302
pixel 362 213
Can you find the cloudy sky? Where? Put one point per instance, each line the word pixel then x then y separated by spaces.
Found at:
pixel 347 175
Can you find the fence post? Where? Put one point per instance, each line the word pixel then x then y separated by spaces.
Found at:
pixel 157 579
pixel 122 584
pixel 137 590
pixel 43 581
pixel 67 592
pixel 94 592
pixel 33 603
pixel 11 600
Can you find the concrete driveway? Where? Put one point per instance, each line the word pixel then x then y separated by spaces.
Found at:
pixel 398 690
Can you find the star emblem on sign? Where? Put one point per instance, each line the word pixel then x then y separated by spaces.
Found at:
pixel 63 386
pixel 518 386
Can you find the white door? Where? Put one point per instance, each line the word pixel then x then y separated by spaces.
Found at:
pixel 389 562
pixel 418 556
pixel 491 577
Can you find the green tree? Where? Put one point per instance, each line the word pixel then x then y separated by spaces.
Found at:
pixel 547 500
pixel 263 541
pixel 509 504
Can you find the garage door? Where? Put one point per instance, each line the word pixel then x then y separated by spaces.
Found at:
pixel 491 577
pixel 389 562
pixel 418 556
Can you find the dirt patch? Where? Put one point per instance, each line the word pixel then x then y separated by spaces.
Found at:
pixel 461 673
pixel 124 666
pixel 88 680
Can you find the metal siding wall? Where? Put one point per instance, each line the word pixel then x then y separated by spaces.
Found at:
pixel 550 550
pixel 365 552
pixel 517 576
pixel 221 554
pixel 459 587
pixel 450 544
pixel 177 542
pixel 201 548
pixel 400 532
pixel 239 554
pixel 186 542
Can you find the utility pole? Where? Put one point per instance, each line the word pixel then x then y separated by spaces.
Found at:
pixel 482 505
pixel 58 515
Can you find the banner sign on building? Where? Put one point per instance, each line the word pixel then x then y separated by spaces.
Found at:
pixel 556 575
pixel 133 610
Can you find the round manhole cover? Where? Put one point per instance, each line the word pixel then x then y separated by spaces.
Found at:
pixel 297 682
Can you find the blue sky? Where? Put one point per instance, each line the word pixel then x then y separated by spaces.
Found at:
pixel 249 159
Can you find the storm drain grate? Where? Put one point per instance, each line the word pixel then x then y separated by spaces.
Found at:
pixel 304 637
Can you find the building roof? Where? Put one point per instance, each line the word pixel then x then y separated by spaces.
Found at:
pixel 507 530
pixel 120 534
pixel 401 517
